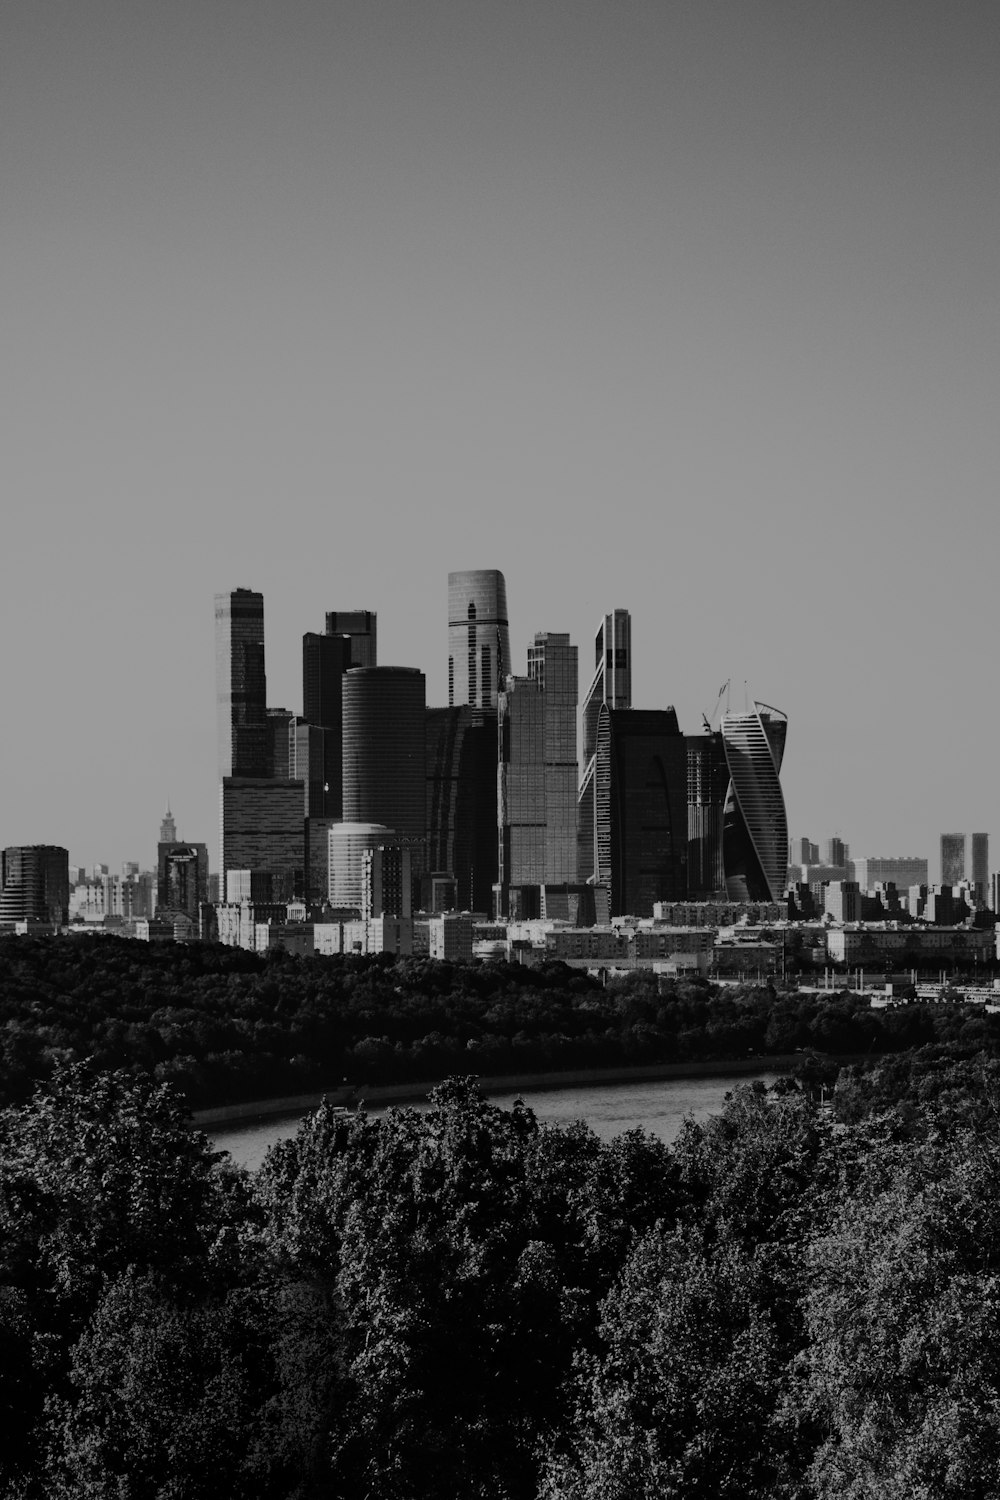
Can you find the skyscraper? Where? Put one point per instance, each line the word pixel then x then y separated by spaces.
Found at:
pixel 641 810
pixel 241 685
pixel 755 834
pixel 360 626
pixel 610 684
pixel 384 750
pixel 538 776
pixel 462 801
pixel 980 865
pixel 478 637
pixel 261 816
pixel 952 858
pixel 707 785
pixel 965 857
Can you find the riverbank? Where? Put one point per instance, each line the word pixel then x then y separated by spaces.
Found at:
pixel 351 1097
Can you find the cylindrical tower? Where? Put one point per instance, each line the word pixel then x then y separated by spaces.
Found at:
pixel 478 637
pixel 384 748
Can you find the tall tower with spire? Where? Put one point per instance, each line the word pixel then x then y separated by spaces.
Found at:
pixel 168 828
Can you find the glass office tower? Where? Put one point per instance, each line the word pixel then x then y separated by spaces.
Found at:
pixel 755 833
pixel 478 637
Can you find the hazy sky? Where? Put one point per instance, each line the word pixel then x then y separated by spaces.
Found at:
pixel 689 308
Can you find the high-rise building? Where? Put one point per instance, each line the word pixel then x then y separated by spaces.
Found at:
pixel 980 865
pixel 263 830
pixel 360 627
pixel 241 686
pixel 537 805
pixel 952 858
pixel 462 804
pixel 384 750
pixel 34 883
pixel 168 832
pixel 707 785
pixel 836 852
pixel 261 815
pixel 182 878
pixel 611 684
pixel 755 833
pixel 478 637
pixel 641 808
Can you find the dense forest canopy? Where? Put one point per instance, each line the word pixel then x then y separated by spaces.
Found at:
pixel 463 1302
pixel 225 1026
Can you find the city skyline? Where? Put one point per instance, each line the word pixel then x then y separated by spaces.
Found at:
pixel 690 311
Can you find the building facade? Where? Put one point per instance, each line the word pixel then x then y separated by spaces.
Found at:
pixel 384 750
pixel 901 870
pixel 34 884
pixel 262 825
pixel 461 803
pixel 641 817
pixel 360 628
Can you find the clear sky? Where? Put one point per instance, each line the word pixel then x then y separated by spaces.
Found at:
pixel 685 306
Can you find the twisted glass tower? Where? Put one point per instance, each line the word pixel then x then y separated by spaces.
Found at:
pixel 755 827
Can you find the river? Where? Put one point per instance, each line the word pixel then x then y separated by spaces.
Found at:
pixel 659 1107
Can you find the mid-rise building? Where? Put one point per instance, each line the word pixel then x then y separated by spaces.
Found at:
pixel 903 870
pixel 387 881
pixel 181 878
pixel 842 901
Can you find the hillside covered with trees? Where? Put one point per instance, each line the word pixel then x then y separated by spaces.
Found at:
pixel 225 1026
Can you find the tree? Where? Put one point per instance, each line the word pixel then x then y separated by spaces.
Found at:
pixel 681 1400
pixel 903 1318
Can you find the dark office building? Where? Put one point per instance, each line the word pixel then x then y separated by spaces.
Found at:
pixel 610 684
pixel 241 686
pixel 261 810
pixel 34 883
pixel 360 626
pixel 462 802
pixel 707 785
pixel 384 750
pixel 318 735
pixel 181 877
pixel 641 808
